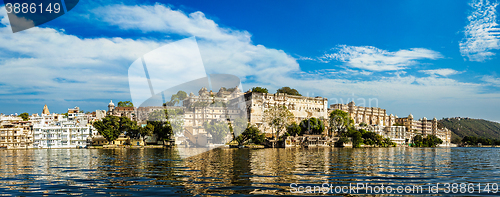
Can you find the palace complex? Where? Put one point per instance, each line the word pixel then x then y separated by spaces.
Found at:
pixel 302 107
pixel 368 115
pixel 188 120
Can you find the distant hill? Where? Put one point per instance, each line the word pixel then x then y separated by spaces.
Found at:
pixel 461 127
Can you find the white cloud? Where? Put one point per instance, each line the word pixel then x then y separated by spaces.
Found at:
pixel 222 49
pixel 491 80
pixel 43 63
pixel 4 20
pixel 57 66
pixel 374 59
pixel 443 72
pixel 160 18
pixel 305 58
pixel 481 34
pixel 46 64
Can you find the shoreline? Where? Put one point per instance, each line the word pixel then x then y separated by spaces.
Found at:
pixel 244 147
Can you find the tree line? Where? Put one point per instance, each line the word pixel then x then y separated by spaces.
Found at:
pixel 111 127
pixel 427 141
pixel 473 140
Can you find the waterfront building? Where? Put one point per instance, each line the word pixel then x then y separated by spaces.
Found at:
pixel 204 108
pixel 15 133
pixel 99 114
pixel 99 140
pixel 121 111
pixel 425 127
pixel 368 115
pixel 377 120
pixel 398 134
pixel 301 107
pixel 143 112
pixel 420 126
pixel 308 141
pixel 11 118
pixel 196 110
pixel 57 131
pixel 75 115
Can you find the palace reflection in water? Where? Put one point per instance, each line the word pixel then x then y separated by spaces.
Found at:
pixel 145 172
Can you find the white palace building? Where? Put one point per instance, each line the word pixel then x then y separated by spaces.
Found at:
pixel 56 131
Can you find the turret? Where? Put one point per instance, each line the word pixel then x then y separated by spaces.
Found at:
pixel 45 110
pixel 111 106
pixel 203 92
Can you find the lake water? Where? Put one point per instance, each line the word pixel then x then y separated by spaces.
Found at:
pixel 163 172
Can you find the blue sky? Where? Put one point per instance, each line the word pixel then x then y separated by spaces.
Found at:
pixel 428 58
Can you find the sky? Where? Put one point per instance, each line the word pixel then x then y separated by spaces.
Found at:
pixel 430 59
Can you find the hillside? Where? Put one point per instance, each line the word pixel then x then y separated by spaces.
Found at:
pixel 461 127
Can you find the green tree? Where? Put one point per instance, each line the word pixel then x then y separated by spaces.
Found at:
pixel 289 91
pixel 127 125
pixel 342 140
pixel 218 130
pixel 259 89
pixel 125 104
pixel 173 101
pixel 109 128
pixel 181 95
pixel 25 116
pixel 339 122
pixel 370 138
pixel 473 140
pixel 357 137
pixel 418 141
pixel 278 117
pixel 312 126
pixel 239 125
pixel 146 131
pixel 294 129
pixel 176 119
pixel 158 115
pixel 387 142
pixel 162 130
pixel 176 98
pixel 251 134
pixel 432 141
pixel 134 132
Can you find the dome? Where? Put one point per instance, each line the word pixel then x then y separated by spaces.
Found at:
pixel 410 116
pixel 111 103
pixel 425 118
